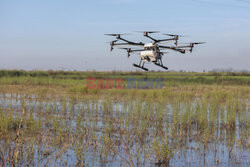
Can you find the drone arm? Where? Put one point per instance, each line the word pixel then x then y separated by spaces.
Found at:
pixel 184 46
pixel 173 48
pixel 112 44
pixel 125 40
pixel 162 40
pixel 137 50
pixel 191 46
pixel 117 44
pixel 151 38
pixel 130 42
pixel 129 50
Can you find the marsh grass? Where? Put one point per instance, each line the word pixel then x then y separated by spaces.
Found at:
pixel 49 119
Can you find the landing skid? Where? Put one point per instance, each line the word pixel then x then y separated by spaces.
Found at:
pixel 161 66
pixel 157 62
pixel 140 67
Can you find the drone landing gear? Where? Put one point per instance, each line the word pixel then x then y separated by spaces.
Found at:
pixel 140 66
pixel 161 65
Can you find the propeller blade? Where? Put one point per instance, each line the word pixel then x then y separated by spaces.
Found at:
pixel 150 32
pixel 110 34
pixel 198 43
pixel 173 35
pixel 193 43
pixel 112 41
pixel 115 34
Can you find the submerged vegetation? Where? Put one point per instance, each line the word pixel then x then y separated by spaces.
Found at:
pixel 51 119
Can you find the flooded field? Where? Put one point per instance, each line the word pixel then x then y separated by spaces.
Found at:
pixel 72 130
pixel 50 118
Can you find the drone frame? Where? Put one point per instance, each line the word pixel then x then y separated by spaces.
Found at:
pixel 158 62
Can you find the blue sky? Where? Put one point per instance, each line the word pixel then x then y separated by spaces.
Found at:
pixel 64 34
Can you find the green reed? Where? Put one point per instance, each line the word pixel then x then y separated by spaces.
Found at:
pixel 134 127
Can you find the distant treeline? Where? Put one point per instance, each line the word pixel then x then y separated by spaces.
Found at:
pixel 18 73
pixel 79 77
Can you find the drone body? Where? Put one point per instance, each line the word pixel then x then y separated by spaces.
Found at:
pixel 151 52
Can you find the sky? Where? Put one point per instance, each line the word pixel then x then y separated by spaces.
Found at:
pixel 69 34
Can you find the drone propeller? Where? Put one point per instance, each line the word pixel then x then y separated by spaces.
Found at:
pixel 176 37
pixel 149 32
pixel 194 43
pixel 145 33
pixel 191 45
pixel 173 35
pixel 112 43
pixel 128 50
pixel 115 34
pixel 197 43
pixel 118 36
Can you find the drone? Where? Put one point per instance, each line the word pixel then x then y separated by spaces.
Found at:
pixel 151 52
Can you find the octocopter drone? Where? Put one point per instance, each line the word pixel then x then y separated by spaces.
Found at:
pixel 153 51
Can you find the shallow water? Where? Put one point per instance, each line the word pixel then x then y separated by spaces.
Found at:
pixel 69 131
